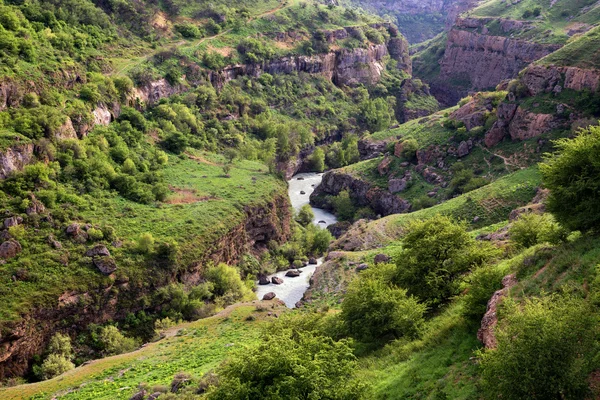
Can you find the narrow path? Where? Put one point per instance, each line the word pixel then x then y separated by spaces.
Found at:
pixel 134 63
pixel 506 160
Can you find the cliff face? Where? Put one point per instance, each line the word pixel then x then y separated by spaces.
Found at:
pixel 519 123
pixel 476 61
pixel 381 201
pixel 342 67
pixel 15 158
pixel 28 337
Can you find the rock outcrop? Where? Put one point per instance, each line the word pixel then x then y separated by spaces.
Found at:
pixel 546 79
pixel 15 158
pixel 156 90
pixel 363 193
pixel 476 61
pixel 342 67
pixel 485 334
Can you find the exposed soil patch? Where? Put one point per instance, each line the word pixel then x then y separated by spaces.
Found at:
pixel 186 196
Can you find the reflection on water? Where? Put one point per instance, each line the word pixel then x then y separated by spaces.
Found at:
pixel 292 289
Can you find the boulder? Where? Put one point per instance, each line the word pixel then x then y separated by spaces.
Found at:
pixel 362 267
pixel 339 228
pixel 98 251
pixel 298 304
pixel 269 296
pixel 381 258
pixel 293 273
pixel 10 249
pixel 154 396
pixel 463 149
pixel 54 243
pixel 35 207
pixel 384 166
pixel 312 261
pixel 263 279
pixel 302 192
pixel 12 221
pixel 106 265
pixel 397 185
pixel 79 235
pixel 139 395
pixel 276 280
pixel 4 236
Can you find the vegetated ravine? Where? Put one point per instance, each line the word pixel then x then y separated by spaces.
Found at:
pixel 292 289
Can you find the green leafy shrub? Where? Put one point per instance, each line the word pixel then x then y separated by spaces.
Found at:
pixel 343 206
pixel 290 364
pixel 571 174
pixel 546 349
pixel 114 342
pixel 531 229
pixel 54 365
pixel 436 252
pixel 373 309
pixel 305 215
pixel 481 284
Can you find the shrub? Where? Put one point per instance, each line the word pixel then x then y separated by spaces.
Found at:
pixel 61 345
pixel 409 149
pixel 343 206
pixel 305 215
pixel 176 142
pixel 114 342
pixel 436 252
pixel 317 160
pixel 373 309
pixel 289 365
pixel 227 281
pixel 188 31
pixel 572 174
pixel 95 234
pixel 531 229
pixel 545 351
pixel 481 284
pixel 146 243
pixel 54 365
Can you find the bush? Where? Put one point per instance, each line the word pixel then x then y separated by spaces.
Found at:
pixel 481 284
pixel 572 174
pixel 290 364
pixel 317 160
pixel 531 229
pixel 409 149
pixel 436 252
pixel 305 215
pixel 227 282
pixel 176 142
pixel 145 243
pixel 188 31
pixel 373 309
pixel 343 206
pixel 545 350
pixel 54 365
pixel 114 342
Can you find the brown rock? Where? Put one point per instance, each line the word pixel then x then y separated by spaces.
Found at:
pixel 12 221
pixel 463 149
pixel 106 265
pixel 362 267
pixel 36 207
pixel 293 273
pixel 9 249
pixel 269 296
pixel 397 185
pixel 98 251
pixel 263 279
pixel 384 166
pixel 276 280
pixel 312 261
pixel 486 333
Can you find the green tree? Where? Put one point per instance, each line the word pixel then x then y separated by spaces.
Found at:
pixel 545 351
pixel 305 215
pixel 373 309
pixel 376 114
pixel 435 253
pixel 343 206
pixel 317 160
pixel 572 175
pixel 290 364
pixel 531 229
pixel 114 342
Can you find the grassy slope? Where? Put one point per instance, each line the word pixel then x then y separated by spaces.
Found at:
pixel 194 347
pixel 194 226
pixel 582 51
pixel 551 27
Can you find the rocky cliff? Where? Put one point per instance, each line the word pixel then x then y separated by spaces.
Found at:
pixel 476 60
pixel 343 67
pixel 15 158
pixel 363 193
pixel 113 299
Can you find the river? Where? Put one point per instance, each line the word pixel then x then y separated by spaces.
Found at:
pixel 292 289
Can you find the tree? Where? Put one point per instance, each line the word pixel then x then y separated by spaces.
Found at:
pixel 114 342
pixel 343 206
pixel 436 252
pixel 545 350
pixel 572 175
pixel 317 160
pixel 176 142
pixel 374 309
pixel 376 114
pixel 305 215
pixel 290 364
pixel 531 229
